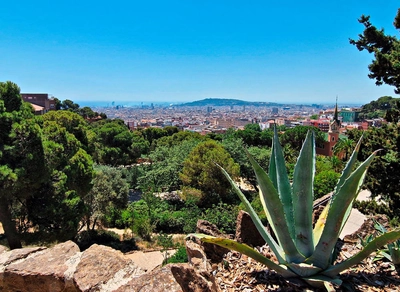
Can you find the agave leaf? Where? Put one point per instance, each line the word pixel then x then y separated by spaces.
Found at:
pixel 381 254
pixel 275 209
pixel 277 170
pixel 269 219
pixel 321 281
pixel 395 254
pixel 393 248
pixel 272 168
pixel 247 250
pixel 378 226
pixel 345 174
pixel 337 210
pixel 256 220
pixel 303 196
pixel 349 166
pixel 304 270
pixel 375 244
pixel 320 225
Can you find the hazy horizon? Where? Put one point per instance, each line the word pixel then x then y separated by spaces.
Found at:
pixel 104 103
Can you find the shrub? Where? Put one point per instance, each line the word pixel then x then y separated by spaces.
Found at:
pixel 179 257
pixel 223 216
pixel 86 238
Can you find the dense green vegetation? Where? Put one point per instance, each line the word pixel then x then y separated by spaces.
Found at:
pixel 384 107
pixel 384 177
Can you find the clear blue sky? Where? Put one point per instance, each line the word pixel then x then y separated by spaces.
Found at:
pixel 278 51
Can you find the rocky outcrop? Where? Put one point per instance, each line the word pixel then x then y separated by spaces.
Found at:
pixel 37 269
pixel 194 280
pixel 99 268
pixel 214 252
pixel 246 231
pixel 158 280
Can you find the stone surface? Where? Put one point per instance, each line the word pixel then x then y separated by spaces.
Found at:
pixel 40 270
pixel 196 256
pixel 99 268
pixel 191 280
pixel 3 249
pixel 214 252
pixel 158 280
pixel 102 268
pixel 206 227
pixel 17 254
pixel 147 261
pixel 246 231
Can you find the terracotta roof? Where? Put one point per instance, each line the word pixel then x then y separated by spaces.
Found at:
pixel 37 108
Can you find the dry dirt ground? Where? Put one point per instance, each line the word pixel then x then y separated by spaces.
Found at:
pixel 148 261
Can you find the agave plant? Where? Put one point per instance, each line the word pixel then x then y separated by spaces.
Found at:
pixel 301 250
pixel 392 252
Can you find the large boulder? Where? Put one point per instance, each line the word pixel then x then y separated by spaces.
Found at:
pixel 99 268
pixel 38 269
pixel 102 268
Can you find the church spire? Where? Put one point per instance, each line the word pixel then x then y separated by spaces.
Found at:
pixel 336 116
pixel 334 125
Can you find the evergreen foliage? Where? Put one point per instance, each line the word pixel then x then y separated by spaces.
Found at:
pixel 201 172
pixel 385 67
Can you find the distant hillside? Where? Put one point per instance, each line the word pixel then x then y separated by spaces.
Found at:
pixel 227 102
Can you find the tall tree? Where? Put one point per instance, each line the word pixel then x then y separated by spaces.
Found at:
pixel 72 122
pixel 110 192
pixel 58 207
pixel 385 68
pixel 116 145
pixel 22 166
pixel 10 95
pixel 295 136
pixel 69 105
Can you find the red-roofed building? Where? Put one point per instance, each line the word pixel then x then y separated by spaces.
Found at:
pixel 40 99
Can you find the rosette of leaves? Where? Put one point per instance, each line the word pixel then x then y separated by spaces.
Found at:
pixel 303 251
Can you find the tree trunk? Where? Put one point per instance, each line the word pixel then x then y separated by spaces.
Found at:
pixel 8 225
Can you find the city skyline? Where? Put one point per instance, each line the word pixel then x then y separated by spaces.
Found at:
pixel 185 51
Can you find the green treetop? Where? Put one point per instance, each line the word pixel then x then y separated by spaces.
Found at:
pixel 385 68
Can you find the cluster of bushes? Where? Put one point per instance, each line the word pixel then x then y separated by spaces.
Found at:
pixel 153 214
pixel 85 239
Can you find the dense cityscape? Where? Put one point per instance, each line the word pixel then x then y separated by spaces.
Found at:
pixel 217 119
